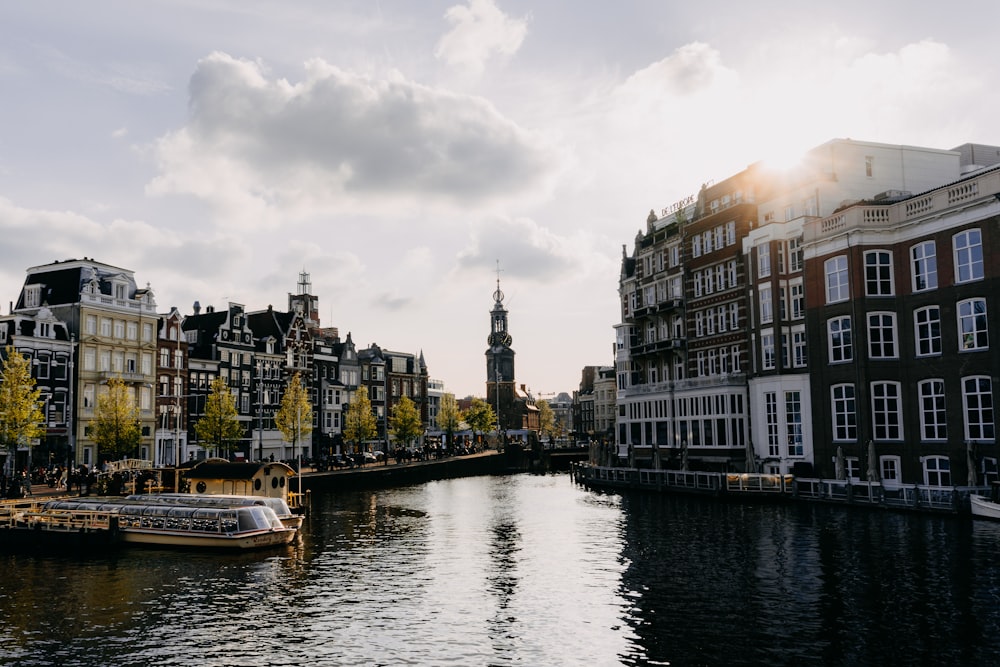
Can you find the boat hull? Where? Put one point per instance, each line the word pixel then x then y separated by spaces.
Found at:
pixel 255 540
pixel 983 507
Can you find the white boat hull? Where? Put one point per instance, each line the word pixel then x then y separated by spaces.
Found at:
pixel 255 540
pixel 984 507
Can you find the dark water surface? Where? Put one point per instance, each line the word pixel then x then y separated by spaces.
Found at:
pixel 529 570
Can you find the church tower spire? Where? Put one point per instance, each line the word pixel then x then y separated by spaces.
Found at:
pixel 500 363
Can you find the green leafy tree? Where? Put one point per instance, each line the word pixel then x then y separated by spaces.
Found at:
pixel 294 417
pixel 21 414
pixel 359 422
pixel 449 417
pixel 220 425
pixel 546 420
pixel 480 416
pixel 406 424
pixel 116 427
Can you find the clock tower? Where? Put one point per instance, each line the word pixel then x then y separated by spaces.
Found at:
pixel 500 365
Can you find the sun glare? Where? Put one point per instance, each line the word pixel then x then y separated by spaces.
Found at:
pixel 783 158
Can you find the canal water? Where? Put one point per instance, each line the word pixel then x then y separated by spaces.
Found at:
pixel 528 570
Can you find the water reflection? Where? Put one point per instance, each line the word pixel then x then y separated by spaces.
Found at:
pixel 529 570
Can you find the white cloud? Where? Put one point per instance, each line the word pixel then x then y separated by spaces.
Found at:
pixel 479 31
pixel 338 142
pixel 530 252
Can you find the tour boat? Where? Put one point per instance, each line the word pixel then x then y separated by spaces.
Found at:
pixel 180 525
pixel 280 507
pixel 983 507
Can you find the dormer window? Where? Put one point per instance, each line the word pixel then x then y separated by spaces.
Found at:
pixel 44 330
pixel 121 291
pixel 32 296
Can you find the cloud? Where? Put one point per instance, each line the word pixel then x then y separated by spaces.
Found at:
pixel 690 69
pixel 528 251
pixel 479 31
pixel 338 142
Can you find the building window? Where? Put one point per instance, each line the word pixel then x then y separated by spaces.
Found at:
pixel 878 273
pixel 886 416
pixel 972 325
pixel 106 327
pixel 798 300
pixel 869 165
pixel 795 254
pixel 889 469
pixel 132 330
pixel 839 329
pixel 968 256
pixel 845 420
pixel 766 305
pixel 799 348
pixel 977 394
pixel 927 330
pixel 730 233
pixel 91 325
pixel 771 416
pixel 793 422
pixel 933 419
pixel 924 266
pixel 763 260
pixel 937 471
pixel 837 287
pixel 164 357
pixel 767 350
pixel 696 246
pixel 882 335
pixel 119 329
pixel 32 296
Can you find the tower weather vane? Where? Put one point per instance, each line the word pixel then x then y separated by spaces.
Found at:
pixel 498 295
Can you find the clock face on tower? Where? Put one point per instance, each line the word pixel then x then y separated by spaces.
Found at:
pixel 499 338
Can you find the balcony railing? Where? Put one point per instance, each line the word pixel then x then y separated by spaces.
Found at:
pixel 981 188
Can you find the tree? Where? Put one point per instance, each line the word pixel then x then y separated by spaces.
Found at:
pixel 21 414
pixel 449 417
pixel 359 422
pixel 294 417
pixel 406 424
pixel 480 416
pixel 220 425
pixel 546 420
pixel 116 427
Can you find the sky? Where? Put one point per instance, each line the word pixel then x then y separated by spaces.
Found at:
pixel 400 152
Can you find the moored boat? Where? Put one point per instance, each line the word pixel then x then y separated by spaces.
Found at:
pixel 179 525
pixel 983 507
pixel 278 505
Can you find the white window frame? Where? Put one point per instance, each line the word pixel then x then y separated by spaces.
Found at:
pixel 968 255
pixel 885 345
pixel 838 287
pixel 973 325
pixel 927 331
pixel 931 405
pixel 923 266
pixel 878 273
